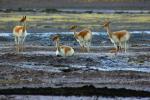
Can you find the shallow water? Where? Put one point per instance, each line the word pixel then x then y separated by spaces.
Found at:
pixel 50 33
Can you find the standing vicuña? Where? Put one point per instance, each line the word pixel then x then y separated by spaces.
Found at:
pixel 119 38
pixel 62 50
pixel 84 37
pixel 20 34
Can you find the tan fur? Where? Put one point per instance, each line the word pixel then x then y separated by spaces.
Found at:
pixel 119 34
pixel 66 49
pixel 19 29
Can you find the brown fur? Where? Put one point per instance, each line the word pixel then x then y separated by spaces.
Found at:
pixel 119 34
pixel 67 49
pixel 83 33
pixel 17 29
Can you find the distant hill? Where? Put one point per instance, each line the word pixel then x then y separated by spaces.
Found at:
pixel 90 4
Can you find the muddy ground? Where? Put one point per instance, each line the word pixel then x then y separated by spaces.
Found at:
pixel 38 67
pixel 41 68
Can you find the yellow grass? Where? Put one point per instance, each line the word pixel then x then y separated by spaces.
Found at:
pixel 41 20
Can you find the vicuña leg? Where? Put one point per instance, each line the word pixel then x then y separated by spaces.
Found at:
pixel 22 43
pixel 114 50
pixel 88 44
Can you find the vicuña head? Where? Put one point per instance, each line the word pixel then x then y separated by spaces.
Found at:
pixel 73 27
pixel 56 38
pixel 62 50
pixel 84 37
pixel 23 19
pixel 119 38
pixel 106 23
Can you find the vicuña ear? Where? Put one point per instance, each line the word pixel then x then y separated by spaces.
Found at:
pixel 55 37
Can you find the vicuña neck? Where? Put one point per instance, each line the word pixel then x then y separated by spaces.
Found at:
pixel 57 45
pixel 25 26
pixel 74 31
pixel 108 30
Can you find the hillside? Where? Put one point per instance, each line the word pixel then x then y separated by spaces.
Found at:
pixel 90 4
